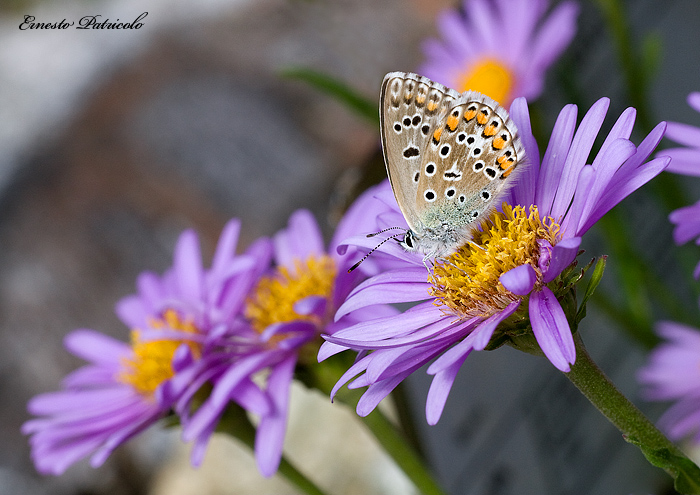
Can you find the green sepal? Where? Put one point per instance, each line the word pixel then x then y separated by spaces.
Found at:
pixel 596 277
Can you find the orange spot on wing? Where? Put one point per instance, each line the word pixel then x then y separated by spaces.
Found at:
pixel 437 134
pixel 432 106
pixel 452 122
pixel 498 143
pixel 490 131
pixel 469 114
pixel 481 118
pixel 508 166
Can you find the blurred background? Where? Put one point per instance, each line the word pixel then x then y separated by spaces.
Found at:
pixel 113 142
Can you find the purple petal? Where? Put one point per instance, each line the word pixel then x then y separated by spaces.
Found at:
pixel 391 326
pixel 477 339
pixel 329 349
pixel 378 391
pixel 226 247
pixel 577 156
pixel 682 418
pixel 554 34
pixel 605 165
pixel 440 389
pixel 623 189
pixel 519 280
pixel 187 264
pixel 524 189
pixel 271 430
pixel 211 409
pixel 311 305
pixel 685 161
pixel 551 329
pixel 96 347
pixel 554 158
pixel 442 330
pixel 684 134
pixel 563 254
pixel 302 238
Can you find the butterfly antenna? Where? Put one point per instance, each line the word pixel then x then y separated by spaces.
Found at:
pixel 384 230
pixel 372 250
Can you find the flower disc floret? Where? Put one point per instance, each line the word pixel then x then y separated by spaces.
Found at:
pixel 151 363
pixel 467 282
pixel 275 297
pixel 490 77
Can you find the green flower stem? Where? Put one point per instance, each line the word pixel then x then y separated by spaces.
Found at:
pixel 397 446
pixel 407 420
pixel 635 427
pixel 394 442
pixel 235 423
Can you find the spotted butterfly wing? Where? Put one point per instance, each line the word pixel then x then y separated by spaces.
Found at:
pixel 412 107
pixel 467 166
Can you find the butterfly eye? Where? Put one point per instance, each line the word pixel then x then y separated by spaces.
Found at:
pixel 408 239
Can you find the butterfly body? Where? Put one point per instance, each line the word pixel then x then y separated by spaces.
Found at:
pixel 450 157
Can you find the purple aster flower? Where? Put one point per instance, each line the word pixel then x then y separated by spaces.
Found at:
pixel 127 388
pixel 500 48
pixel 285 314
pixel 686 161
pixel 509 278
pixel 687 222
pixel 672 373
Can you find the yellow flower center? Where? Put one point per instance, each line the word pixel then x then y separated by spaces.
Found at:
pixel 151 363
pixel 467 282
pixel 489 77
pixel 274 297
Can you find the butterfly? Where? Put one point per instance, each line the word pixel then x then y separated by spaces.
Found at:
pixel 450 158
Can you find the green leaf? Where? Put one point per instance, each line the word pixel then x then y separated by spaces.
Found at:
pixel 651 54
pixel 337 89
pixel 685 473
pixel 596 277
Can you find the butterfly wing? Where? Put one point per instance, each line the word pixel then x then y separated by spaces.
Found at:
pixel 468 164
pixel 412 107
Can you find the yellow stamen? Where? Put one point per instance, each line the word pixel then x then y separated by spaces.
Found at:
pixel 151 363
pixel 274 297
pixel 490 77
pixel 467 283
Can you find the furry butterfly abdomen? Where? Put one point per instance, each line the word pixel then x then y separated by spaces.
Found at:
pixel 450 158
